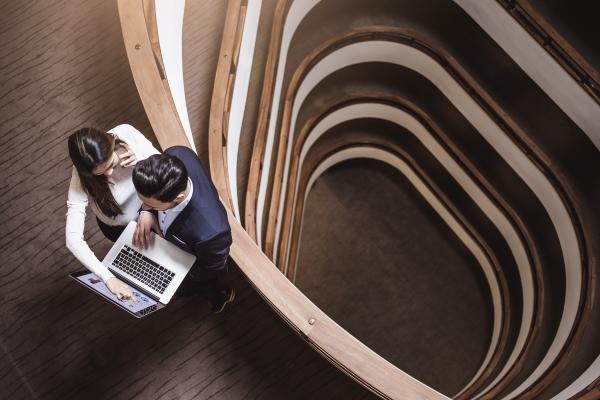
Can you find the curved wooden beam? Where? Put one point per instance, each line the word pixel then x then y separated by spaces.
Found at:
pixel 256 161
pixel 149 79
pixel 221 98
pixel 323 334
pixel 323 151
pixel 365 34
pixel 509 126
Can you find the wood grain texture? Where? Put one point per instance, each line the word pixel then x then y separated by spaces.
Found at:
pixel 63 65
pixel 293 218
pixel 221 99
pixel 333 342
pixel 513 130
pixel 156 95
pixel 260 138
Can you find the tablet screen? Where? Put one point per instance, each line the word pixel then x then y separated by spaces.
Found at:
pixel 92 281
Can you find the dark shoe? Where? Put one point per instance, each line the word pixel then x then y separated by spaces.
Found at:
pixel 225 296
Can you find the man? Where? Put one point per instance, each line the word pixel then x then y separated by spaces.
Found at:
pixel 176 190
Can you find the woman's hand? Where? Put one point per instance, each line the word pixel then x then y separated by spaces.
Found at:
pixel 146 223
pixel 120 289
pixel 127 159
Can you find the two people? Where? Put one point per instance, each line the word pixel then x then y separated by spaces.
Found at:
pixel 176 199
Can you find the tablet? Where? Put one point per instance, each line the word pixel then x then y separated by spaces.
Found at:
pixel 143 307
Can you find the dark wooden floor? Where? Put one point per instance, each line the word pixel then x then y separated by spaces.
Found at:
pixel 63 66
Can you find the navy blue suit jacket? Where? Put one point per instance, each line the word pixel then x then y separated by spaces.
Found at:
pixel 202 227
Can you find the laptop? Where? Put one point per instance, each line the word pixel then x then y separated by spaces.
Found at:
pixel 153 274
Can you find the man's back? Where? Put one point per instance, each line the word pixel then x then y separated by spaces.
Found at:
pixel 203 224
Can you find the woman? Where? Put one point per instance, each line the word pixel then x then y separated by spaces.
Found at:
pixel 102 165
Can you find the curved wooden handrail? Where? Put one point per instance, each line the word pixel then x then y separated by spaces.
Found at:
pixel 256 161
pixel 389 145
pixel 153 88
pixel 294 214
pixel 323 334
pixel 556 45
pixel 389 33
pixel 519 137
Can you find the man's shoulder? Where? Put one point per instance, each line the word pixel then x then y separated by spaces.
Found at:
pixel 182 151
pixel 192 162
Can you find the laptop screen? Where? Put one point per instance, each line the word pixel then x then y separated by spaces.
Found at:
pixel 95 283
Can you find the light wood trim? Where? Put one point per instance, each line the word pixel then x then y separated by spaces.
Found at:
pixel 325 148
pixel 155 97
pixel 260 138
pixel 323 334
pixel 220 103
pixel 515 132
pixel 152 27
pixel 353 357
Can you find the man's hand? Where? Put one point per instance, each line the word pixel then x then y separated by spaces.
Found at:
pixel 146 223
pixel 120 289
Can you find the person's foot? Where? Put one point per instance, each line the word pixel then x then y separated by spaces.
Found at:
pixel 225 296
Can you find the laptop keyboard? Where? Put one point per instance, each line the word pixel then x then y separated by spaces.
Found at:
pixel 143 269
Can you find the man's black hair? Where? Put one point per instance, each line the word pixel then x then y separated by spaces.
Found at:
pixel 161 177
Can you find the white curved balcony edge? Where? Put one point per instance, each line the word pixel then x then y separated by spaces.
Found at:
pixel 323 334
pixel 401 118
pixel 296 14
pixel 581 383
pixel 538 64
pixel 409 57
pixel 403 55
pixel 238 98
pixel 445 215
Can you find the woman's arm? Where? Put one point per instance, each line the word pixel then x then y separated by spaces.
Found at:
pixel 76 204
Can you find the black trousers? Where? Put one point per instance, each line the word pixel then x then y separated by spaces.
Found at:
pixel 209 284
pixel 112 233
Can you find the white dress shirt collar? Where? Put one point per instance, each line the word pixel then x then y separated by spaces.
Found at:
pixel 166 218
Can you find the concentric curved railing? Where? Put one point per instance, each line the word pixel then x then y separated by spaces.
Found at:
pixel 323 334
pixel 292 149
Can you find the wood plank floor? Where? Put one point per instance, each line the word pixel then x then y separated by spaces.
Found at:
pixel 63 66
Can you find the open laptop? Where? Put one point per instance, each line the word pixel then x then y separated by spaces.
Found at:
pixel 154 273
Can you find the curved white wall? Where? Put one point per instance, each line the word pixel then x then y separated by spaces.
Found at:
pixel 296 14
pixel 537 63
pixel 169 22
pixel 401 54
pixel 447 217
pixel 412 125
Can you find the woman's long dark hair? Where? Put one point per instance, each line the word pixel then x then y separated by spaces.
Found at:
pixel 88 148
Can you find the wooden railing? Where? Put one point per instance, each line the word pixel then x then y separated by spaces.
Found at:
pixel 149 78
pixel 556 45
pixel 487 102
pixel 319 331
pixel 297 189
